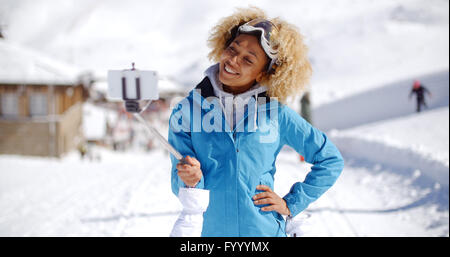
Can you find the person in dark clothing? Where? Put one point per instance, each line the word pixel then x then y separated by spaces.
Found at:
pixel 306 107
pixel 420 91
pixel 305 112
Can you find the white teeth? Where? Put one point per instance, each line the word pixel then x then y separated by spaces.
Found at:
pixel 229 71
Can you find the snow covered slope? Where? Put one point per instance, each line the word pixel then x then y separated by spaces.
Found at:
pixel 395 183
pixel 402 163
pixel 417 140
pixel 22 65
pixel 384 102
pixel 71 197
pixel 354 45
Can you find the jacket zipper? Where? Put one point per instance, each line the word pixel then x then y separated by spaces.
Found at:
pixel 236 146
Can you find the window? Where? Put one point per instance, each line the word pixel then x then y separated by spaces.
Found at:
pixel 38 104
pixel 10 104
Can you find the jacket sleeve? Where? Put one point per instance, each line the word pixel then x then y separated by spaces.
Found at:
pixel 318 150
pixel 180 138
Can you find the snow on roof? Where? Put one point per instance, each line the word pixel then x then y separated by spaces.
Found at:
pixel 100 86
pixel 19 65
pixel 168 86
pixel 95 119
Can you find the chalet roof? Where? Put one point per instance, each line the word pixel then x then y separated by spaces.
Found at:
pixel 20 65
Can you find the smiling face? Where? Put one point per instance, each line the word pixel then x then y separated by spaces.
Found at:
pixel 242 64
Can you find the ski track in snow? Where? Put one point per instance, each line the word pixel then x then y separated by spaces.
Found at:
pixel 73 197
pixel 369 199
pixel 128 194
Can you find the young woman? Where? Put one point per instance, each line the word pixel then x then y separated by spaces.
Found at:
pixel 234 123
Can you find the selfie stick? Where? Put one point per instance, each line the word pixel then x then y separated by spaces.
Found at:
pixel 132 106
pixel 161 139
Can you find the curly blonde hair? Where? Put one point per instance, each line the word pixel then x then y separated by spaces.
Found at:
pixel 291 75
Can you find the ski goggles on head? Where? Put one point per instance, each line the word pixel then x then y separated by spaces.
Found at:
pixel 267 29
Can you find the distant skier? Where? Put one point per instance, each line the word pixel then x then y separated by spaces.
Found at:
pixel 420 91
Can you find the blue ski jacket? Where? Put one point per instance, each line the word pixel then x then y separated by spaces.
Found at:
pixel 235 161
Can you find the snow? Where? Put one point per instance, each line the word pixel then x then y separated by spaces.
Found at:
pixel 365 55
pixel 395 180
pixel 387 101
pixel 95 119
pixel 129 193
pixel 123 194
pixel 167 86
pixel 354 45
pixel 425 134
pixel 19 65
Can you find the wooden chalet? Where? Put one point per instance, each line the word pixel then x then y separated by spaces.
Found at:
pixel 40 103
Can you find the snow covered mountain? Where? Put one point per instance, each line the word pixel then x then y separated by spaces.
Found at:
pixel 354 45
